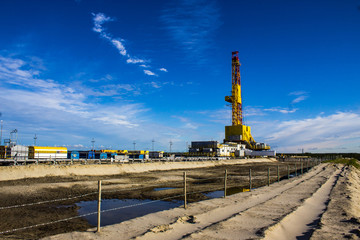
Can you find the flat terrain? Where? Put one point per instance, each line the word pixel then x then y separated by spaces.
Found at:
pixel 127 181
pixel 320 204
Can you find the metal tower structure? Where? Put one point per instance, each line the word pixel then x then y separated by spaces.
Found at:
pixel 238 132
pixel 235 98
pixel 35 138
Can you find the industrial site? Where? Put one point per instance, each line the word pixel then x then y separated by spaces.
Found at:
pixel 180 119
pixel 238 142
pixel 236 189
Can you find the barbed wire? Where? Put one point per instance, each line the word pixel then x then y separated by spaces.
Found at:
pixel 78 196
pixel 102 211
pixel 87 214
pixel 138 188
pixel 92 193
pixel 48 201
pixel 48 223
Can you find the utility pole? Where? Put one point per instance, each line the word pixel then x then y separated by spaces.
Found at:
pixel 153 144
pixel 93 144
pixel 170 144
pixel 187 147
pixel 134 145
pixel 1 130
pixel 35 139
pixel 12 141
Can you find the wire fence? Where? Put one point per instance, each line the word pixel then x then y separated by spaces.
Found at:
pixel 227 179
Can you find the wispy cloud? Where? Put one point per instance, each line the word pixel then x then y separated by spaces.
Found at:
pixel 222 116
pixel 135 60
pixel 99 19
pixel 193 25
pixel 281 110
pixel 119 46
pixel 163 69
pixel 188 123
pixel 155 85
pixel 322 132
pixel 300 96
pixel 48 94
pixel 299 99
pixel 150 73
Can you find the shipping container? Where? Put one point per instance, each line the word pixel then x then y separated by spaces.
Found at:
pixel 37 152
pixel 5 152
pixel 19 152
pixel 103 155
pixel 75 155
pixel 91 155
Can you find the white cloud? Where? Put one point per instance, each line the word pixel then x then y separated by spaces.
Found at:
pixel 299 99
pixel 99 19
pixel 119 46
pixel 187 121
pixel 297 93
pixel 155 85
pixel 150 73
pixel 134 60
pixel 281 110
pixel 323 132
pixel 222 116
pixel 48 96
pixel 163 69
pixel 301 96
pixel 190 126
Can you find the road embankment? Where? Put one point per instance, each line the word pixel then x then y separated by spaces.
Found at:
pixel 37 171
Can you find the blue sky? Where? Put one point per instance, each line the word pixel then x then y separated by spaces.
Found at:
pixel 125 71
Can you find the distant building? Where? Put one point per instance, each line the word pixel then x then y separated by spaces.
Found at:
pixel 156 154
pixel 214 148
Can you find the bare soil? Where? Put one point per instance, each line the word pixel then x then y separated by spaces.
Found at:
pixel 320 204
pixel 30 190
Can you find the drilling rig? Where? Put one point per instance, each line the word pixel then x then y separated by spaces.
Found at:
pixel 238 132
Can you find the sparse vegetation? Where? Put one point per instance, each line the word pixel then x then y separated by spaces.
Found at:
pixel 346 161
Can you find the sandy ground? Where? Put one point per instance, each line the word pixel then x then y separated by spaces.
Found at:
pixel 36 171
pixel 45 183
pixel 290 209
pixel 321 204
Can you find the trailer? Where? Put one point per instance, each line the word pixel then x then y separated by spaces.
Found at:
pixel 37 152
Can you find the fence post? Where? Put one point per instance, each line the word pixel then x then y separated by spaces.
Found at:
pixel 302 171
pixel 295 170
pixel 307 165
pixel 250 183
pixel 268 176
pixel 288 167
pixel 185 190
pixel 99 206
pixel 225 178
pixel 278 173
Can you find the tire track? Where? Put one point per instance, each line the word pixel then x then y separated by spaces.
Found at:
pixel 242 209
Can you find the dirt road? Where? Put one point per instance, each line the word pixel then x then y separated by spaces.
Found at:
pixel 290 209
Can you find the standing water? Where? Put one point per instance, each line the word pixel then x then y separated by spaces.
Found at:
pixel 126 213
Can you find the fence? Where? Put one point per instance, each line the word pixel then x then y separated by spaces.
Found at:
pixel 19 157
pixel 222 182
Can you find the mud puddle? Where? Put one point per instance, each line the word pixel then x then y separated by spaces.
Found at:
pixel 127 209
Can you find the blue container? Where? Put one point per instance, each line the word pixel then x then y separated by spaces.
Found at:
pixel 113 154
pixel 141 156
pixel 91 155
pixel 75 155
pixel 103 155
